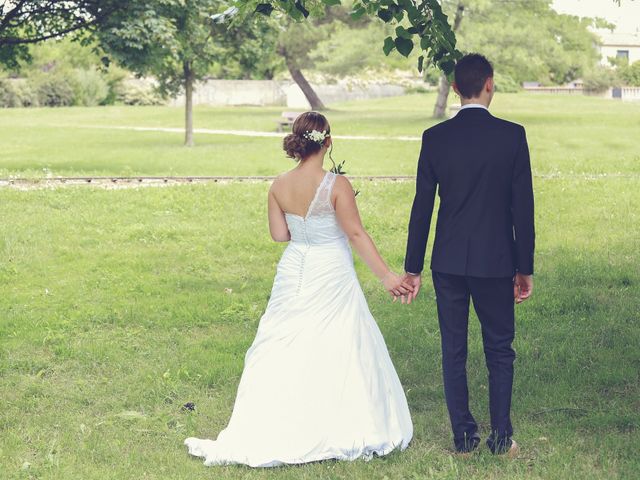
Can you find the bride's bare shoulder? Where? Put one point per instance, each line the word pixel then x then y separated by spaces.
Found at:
pixel 280 180
pixel 342 184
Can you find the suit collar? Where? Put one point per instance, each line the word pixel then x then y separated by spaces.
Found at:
pixel 473 113
pixel 473 105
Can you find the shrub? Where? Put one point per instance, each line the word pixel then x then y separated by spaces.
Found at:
pixel 8 94
pixel 53 89
pixel 432 75
pixel 630 74
pixel 139 94
pixel 16 93
pixel 114 78
pixel 416 89
pixel 600 79
pixel 89 88
pixel 505 83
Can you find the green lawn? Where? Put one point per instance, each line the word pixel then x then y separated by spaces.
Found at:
pixel 115 306
pixel 567 135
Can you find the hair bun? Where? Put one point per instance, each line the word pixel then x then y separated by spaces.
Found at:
pixel 295 146
pixel 300 144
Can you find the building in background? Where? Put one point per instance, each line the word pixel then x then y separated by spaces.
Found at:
pixel 619 45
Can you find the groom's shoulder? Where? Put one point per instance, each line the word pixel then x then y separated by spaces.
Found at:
pixel 508 125
pixel 438 128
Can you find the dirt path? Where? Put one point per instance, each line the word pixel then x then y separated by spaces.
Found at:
pixel 245 133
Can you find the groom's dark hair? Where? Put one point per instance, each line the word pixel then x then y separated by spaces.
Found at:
pixel 471 73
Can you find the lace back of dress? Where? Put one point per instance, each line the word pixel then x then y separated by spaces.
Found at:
pixel 321 204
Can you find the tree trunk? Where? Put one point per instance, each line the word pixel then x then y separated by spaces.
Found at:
pixel 188 104
pixel 440 109
pixel 298 77
pixel 444 86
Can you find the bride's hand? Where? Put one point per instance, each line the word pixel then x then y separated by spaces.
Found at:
pixel 396 285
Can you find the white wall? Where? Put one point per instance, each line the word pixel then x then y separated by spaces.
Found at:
pixel 235 92
pixel 270 92
pixel 340 93
pixel 610 51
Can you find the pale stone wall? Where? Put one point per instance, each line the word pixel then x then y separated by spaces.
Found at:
pixel 340 93
pixel 235 92
pixel 271 92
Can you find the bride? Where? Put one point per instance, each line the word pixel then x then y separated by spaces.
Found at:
pixel 318 382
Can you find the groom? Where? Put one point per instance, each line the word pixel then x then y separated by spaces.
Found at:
pixel 483 248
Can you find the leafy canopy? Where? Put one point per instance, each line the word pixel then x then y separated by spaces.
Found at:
pixel 182 40
pixel 418 22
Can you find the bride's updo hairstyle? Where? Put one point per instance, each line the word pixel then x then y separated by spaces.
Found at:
pixel 300 143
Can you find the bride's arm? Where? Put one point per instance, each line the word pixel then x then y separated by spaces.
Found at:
pixel 349 219
pixel 277 222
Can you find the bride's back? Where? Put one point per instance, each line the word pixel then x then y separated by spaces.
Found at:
pixel 295 190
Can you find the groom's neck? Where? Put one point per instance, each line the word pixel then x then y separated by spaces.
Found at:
pixel 476 100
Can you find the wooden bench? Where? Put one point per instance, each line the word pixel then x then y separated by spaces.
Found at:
pixel 287 120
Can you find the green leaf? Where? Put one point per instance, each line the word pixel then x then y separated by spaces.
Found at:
pixel 332 3
pixel 403 32
pixel 264 9
pixel 425 42
pixel 385 15
pixel 388 46
pixel 404 46
pixel 439 55
pixel 447 67
pixel 358 12
pixel 300 7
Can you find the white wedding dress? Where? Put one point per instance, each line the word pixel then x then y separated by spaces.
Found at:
pixel 318 382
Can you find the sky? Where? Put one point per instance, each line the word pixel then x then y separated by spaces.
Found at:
pixel 626 16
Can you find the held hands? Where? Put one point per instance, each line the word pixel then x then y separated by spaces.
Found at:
pixel 396 286
pixel 416 282
pixel 407 287
pixel 522 287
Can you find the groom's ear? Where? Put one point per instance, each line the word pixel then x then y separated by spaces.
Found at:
pixel 489 85
pixel 455 89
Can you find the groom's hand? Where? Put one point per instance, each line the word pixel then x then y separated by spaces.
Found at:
pixel 522 287
pixel 415 281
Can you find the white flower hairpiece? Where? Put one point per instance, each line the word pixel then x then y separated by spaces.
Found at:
pixel 316 136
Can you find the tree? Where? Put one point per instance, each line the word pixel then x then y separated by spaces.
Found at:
pixel 445 85
pixel 631 74
pixel 175 41
pixel 294 44
pixel 298 39
pixel 534 42
pixel 24 22
pixel 250 52
pixel 347 51
pixel 428 25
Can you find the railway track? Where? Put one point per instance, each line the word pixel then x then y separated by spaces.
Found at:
pixel 114 181
pixel 128 182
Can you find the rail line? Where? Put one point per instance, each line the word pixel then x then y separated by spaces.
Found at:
pixel 136 181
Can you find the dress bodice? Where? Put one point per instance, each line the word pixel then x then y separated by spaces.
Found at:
pixel 320 225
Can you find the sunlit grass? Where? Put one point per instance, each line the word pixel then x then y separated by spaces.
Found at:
pixel 567 135
pixel 119 306
pixel 117 311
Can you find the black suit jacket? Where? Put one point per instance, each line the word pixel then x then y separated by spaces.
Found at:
pixel 481 169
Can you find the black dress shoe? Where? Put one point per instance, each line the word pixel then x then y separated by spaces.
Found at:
pixel 469 445
pixel 503 446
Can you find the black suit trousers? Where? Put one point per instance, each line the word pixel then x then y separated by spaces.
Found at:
pixel 493 302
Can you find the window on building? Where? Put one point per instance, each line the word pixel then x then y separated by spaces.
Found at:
pixel 622 54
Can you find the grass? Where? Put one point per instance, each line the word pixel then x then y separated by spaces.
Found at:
pixel 119 306
pixel 567 135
